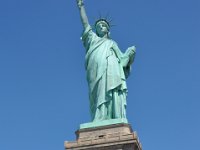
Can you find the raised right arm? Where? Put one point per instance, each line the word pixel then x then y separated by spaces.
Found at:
pixel 84 18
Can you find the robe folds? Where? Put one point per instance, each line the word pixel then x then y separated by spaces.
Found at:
pixel 106 76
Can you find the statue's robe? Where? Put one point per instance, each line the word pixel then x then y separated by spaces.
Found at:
pixel 106 76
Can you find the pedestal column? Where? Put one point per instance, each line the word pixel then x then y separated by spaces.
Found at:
pixel 108 137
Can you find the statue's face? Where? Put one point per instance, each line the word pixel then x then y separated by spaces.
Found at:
pixel 102 28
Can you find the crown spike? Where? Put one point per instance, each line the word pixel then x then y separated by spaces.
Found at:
pixel 105 19
pixel 100 16
pixel 107 15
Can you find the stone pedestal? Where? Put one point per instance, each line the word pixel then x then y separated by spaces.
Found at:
pixel 109 137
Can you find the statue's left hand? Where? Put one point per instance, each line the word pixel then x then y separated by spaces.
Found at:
pixel 131 50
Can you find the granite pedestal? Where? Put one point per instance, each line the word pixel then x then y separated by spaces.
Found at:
pixel 108 137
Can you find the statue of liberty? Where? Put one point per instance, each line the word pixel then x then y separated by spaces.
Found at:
pixel 107 69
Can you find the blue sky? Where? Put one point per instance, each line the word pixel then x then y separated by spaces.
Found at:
pixel 43 88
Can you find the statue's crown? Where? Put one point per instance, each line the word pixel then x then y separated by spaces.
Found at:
pixel 103 20
pixel 106 20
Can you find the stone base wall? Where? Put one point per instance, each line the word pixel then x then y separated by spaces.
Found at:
pixel 110 137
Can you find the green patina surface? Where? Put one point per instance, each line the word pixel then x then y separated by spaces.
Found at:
pixel 107 69
pixel 103 123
